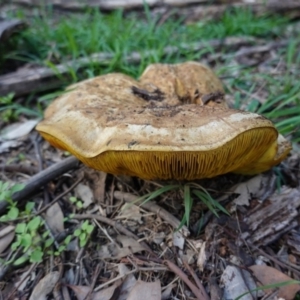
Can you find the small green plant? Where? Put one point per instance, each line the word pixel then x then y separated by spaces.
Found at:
pixel 84 232
pixel 62 247
pixel 29 241
pixel 6 192
pixel 6 100
pixel 76 201
pixel 188 190
pixel 32 240
pixel 10 110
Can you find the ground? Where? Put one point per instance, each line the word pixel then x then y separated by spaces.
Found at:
pixel 70 232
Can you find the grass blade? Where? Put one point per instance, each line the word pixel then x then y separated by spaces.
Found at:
pixel 188 202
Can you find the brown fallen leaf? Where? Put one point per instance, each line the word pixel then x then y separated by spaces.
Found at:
pixel 146 291
pixel 109 293
pixel 128 283
pixel 85 193
pixel 97 180
pixel 268 275
pixel 17 130
pixel 127 246
pixel 130 212
pixel 7 234
pixel 45 286
pixel 260 186
pixel 55 218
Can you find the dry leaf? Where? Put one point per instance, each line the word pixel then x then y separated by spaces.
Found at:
pixel 7 235
pixel 260 186
pixel 268 275
pixel 166 294
pixel 127 246
pixel 189 256
pixel 146 291
pixel 234 284
pixel 24 279
pixel 131 212
pixel 85 193
pixel 6 146
pixel 98 179
pixel 178 240
pixel 45 286
pixel 105 294
pixel 158 237
pixel 80 291
pixel 55 218
pixel 202 257
pixel 128 283
pixel 17 130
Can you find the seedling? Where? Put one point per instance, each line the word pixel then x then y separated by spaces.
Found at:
pixel 84 232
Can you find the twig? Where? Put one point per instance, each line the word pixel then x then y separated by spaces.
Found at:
pixel 101 286
pixel 294 269
pixel 198 282
pixel 199 295
pixel 114 224
pixel 95 276
pixel 37 149
pixel 34 265
pixel 60 196
pixel 36 182
pixel 21 168
pixel 155 209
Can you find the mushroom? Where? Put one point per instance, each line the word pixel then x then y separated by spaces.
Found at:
pixel 189 82
pixel 144 128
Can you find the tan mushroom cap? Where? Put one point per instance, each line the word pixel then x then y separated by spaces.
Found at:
pixel 107 123
pixel 185 83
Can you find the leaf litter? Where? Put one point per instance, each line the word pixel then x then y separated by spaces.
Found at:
pixel 230 255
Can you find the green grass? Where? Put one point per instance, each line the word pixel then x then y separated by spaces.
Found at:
pixel 282 104
pixel 81 35
pixel 190 192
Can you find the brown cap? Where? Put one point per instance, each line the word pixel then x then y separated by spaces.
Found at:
pixel 110 125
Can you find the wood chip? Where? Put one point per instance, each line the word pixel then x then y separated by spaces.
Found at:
pixel 273 217
pixel 8 27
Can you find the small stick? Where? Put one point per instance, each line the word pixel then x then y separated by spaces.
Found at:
pixel 197 280
pixel 92 286
pixel 60 196
pixel 36 182
pixel 199 295
pixel 21 168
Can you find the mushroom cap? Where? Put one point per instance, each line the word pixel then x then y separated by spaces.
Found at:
pixel 189 82
pixel 114 124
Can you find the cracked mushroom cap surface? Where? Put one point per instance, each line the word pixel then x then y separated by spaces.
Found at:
pixel 118 125
pixel 185 83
